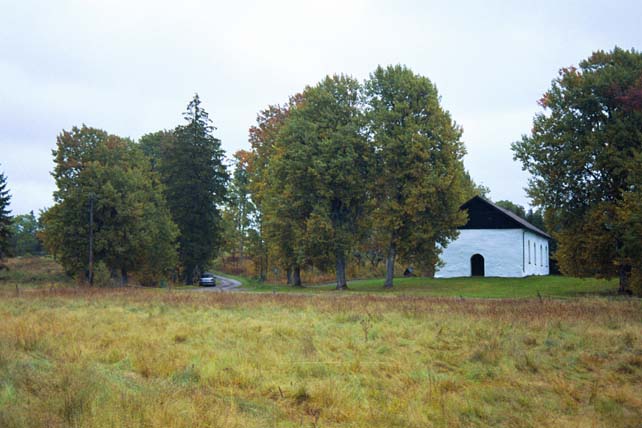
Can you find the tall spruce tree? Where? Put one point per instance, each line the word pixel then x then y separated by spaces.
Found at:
pixel 5 220
pixel 420 182
pixel 195 179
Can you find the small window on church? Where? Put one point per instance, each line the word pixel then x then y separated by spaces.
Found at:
pixel 529 251
pixel 546 248
pixel 541 256
pixel 535 254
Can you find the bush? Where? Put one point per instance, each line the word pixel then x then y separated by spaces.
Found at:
pixel 102 276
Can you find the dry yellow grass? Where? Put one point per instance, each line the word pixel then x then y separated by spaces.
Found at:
pixel 149 358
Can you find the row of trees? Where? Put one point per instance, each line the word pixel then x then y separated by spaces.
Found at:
pixel 344 166
pixel 378 166
pixel 149 208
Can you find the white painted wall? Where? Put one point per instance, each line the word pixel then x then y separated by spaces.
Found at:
pixel 505 253
pixel 537 264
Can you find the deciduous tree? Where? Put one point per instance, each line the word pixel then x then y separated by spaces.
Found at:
pixel 278 225
pixel 240 215
pixel 584 157
pixel 107 196
pixel 155 144
pixel 473 189
pixel 324 167
pixel 419 182
pixel 512 207
pixel 240 201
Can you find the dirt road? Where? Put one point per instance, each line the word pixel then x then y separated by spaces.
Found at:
pixel 222 284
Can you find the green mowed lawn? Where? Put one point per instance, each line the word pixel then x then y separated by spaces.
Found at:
pixel 529 287
pixel 44 272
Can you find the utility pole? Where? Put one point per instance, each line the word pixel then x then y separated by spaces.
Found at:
pixel 91 238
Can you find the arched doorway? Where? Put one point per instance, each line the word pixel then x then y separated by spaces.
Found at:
pixel 477 265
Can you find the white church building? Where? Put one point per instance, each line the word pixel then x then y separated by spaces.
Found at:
pixel 495 242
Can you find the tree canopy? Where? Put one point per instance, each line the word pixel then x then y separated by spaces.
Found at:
pixel 324 165
pixel 584 154
pixel 280 215
pixel 151 208
pixel 347 168
pixel 419 183
pixel 108 196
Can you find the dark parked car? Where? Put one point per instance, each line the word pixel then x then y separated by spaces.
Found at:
pixel 207 280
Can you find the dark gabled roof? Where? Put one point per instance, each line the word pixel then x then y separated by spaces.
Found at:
pixel 483 214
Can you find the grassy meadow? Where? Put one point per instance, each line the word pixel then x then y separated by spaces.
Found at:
pixel 537 352
pixel 162 358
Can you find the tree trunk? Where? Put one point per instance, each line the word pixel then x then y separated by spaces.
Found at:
pixel 91 240
pixel 241 252
pixel 189 276
pixel 263 255
pixel 296 276
pixel 123 277
pixel 341 270
pixel 289 276
pixel 264 266
pixel 390 266
pixel 625 280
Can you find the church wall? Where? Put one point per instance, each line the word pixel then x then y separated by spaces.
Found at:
pixel 537 263
pixel 504 252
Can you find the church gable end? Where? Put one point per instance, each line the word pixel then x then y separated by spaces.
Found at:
pixel 483 214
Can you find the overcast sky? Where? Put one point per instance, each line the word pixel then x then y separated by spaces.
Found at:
pixel 130 67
